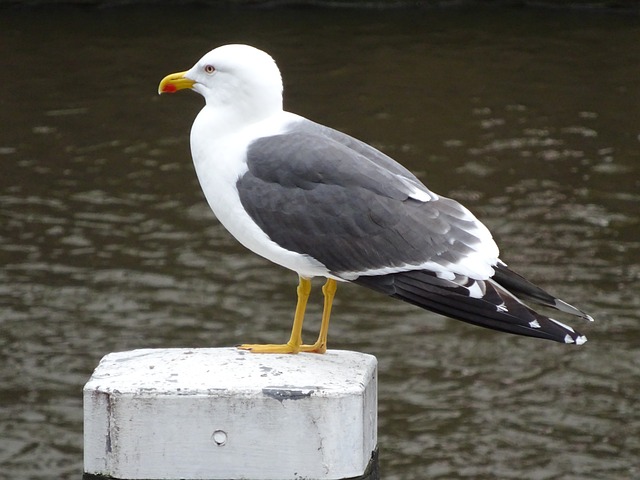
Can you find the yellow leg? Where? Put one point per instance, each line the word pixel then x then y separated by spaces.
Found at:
pixel 329 291
pixel 295 341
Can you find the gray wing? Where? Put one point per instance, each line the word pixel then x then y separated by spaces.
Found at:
pixel 350 210
pixel 370 153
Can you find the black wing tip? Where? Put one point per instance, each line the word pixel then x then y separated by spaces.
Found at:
pixel 519 286
pixel 571 336
pixel 567 308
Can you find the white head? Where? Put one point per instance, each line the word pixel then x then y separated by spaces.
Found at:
pixel 238 78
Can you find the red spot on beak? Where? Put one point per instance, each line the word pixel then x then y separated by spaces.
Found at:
pixel 169 88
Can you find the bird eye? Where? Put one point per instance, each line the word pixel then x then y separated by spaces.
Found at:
pixel 209 69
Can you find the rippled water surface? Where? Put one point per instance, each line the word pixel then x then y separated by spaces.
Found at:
pixel 530 118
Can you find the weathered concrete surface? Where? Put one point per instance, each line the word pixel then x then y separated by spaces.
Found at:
pixel 224 413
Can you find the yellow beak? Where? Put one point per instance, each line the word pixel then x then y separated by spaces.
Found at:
pixel 174 82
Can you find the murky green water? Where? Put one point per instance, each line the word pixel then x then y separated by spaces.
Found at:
pixel 532 119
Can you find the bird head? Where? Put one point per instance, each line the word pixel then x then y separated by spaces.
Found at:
pixel 236 77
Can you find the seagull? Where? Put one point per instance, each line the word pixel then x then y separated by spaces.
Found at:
pixel 324 204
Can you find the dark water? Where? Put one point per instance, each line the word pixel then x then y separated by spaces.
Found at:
pixel 530 118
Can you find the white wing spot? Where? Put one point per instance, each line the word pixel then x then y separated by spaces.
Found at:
pixel 534 324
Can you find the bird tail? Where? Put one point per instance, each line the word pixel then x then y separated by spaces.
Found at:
pixel 484 303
